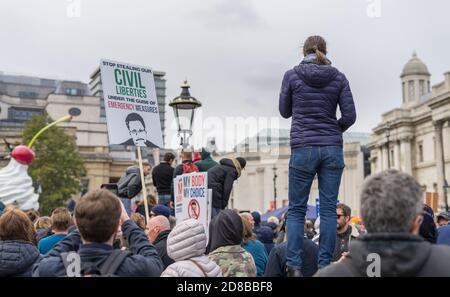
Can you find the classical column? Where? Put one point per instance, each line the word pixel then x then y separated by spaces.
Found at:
pixel 156 155
pixel 440 169
pixel 384 153
pixel 398 163
pixel 406 153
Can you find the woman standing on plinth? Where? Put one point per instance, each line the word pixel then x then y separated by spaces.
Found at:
pixel 310 94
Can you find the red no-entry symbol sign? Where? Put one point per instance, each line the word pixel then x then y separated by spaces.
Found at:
pixel 194 209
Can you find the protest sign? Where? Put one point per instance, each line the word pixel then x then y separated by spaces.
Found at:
pixel 192 198
pixel 131 104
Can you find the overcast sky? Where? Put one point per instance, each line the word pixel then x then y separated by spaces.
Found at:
pixel 233 52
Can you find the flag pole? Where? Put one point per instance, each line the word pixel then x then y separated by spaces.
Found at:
pixel 144 189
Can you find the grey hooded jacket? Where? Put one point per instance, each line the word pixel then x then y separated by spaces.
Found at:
pixel 186 244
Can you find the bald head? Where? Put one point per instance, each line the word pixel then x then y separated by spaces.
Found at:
pixel 157 225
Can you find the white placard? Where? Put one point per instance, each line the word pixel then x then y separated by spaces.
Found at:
pixel 131 104
pixel 192 198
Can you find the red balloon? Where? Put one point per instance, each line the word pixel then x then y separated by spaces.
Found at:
pixel 23 154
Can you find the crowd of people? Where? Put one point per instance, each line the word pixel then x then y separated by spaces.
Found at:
pixel 394 223
pixel 105 234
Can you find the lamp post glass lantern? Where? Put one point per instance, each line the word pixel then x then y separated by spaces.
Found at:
pixel 184 107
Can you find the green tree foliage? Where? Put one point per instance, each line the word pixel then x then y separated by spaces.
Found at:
pixel 58 166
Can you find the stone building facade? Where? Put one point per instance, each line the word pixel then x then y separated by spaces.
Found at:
pixel 255 189
pixel 415 137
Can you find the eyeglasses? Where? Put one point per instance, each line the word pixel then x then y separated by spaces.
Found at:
pixel 340 215
pixel 136 132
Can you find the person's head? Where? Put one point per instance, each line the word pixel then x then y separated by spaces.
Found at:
pixel 443 218
pixel 187 240
pixel 265 234
pixel 242 162
pixel 10 207
pixel 169 158
pixel 146 167
pixel 204 153
pixel 428 228
pixel 273 220
pixel 186 155
pixel 225 229
pixel 139 220
pixel 43 222
pixel 173 222
pixel 248 227
pixel 32 214
pixel 318 46
pixel 248 217
pixel 60 219
pixel 160 210
pixel 343 213
pixel 97 216
pixel 136 127
pixel 151 199
pixel 391 201
pixel 156 225
pixel 16 225
pixel 256 218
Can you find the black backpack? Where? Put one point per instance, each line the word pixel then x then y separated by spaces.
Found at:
pixel 107 269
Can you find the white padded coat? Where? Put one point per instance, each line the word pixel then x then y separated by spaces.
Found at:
pixel 187 243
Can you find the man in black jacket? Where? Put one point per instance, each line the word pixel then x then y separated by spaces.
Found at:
pixel 99 216
pixel 186 166
pixel 162 176
pixel 391 208
pixel 276 265
pixel 221 179
pixel 129 185
pixel 158 230
pixel 345 232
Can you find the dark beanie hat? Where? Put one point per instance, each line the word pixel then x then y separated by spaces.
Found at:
pixel 428 228
pixel 241 161
pixel 256 217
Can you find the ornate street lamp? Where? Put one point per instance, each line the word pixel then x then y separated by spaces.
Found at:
pixel 184 107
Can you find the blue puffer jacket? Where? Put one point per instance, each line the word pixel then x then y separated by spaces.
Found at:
pixel 17 258
pixel 310 93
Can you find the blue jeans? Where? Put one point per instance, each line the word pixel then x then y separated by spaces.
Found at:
pixel 127 205
pixel 328 163
pixel 164 199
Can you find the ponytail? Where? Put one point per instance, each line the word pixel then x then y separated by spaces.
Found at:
pixel 321 58
pixel 316 45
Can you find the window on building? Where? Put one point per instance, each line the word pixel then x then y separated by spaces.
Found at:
pixel 25 94
pixel 392 157
pixel 102 108
pixel 73 91
pixel 84 187
pixel 22 115
pixel 403 92
pixel 421 87
pixel 420 151
pixel 411 90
